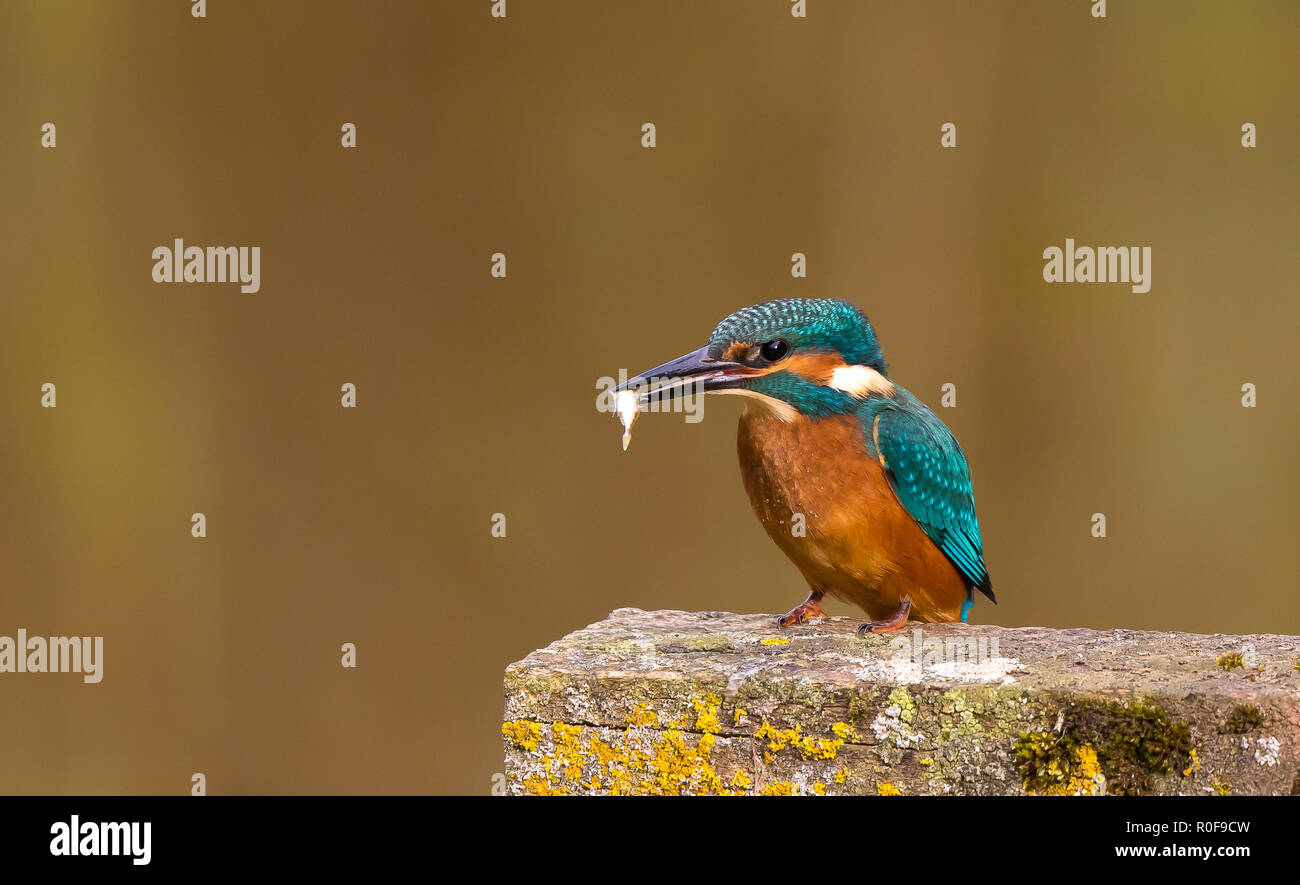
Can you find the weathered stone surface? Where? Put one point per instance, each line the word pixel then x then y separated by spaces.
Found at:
pixel 712 702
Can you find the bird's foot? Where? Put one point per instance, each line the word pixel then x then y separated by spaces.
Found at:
pixel 809 608
pixel 896 621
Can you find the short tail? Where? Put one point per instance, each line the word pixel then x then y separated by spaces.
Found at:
pixel 986 587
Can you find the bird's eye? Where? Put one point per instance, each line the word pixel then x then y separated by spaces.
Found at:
pixel 774 350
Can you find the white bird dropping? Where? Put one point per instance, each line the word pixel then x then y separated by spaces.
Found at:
pixel 626 408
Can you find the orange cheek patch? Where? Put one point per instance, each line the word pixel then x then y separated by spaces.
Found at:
pixel 737 351
pixel 816 367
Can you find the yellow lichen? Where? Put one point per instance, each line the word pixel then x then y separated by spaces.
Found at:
pixel 642 716
pixel 676 761
pixel 887 789
pixel 540 786
pixel 706 714
pixel 738 715
pixel 1196 763
pixel 844 731
pixel 840 776
pixel 1086 778
pixel 809 747
pixel 670 765
pixel 1220 787
pixel 522 733
pixel 776 640
pixel 569 757
pixel 673 765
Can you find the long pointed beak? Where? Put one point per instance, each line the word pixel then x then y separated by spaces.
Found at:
pixel 694 372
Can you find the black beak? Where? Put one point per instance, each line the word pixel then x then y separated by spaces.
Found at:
pixel 695 372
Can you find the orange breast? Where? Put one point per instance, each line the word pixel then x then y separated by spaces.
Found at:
pixel 858 543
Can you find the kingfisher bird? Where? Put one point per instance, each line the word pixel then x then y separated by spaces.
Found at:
pixel 888 509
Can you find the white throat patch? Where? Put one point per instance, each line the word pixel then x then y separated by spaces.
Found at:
pixel 779 408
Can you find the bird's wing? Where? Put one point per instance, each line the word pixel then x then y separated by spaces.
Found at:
pixel 928 472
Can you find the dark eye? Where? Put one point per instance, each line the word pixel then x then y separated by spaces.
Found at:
pixel 774 350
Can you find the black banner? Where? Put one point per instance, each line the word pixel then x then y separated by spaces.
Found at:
pixel 332 834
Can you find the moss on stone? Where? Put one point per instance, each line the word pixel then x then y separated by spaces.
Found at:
pixel 1132 744
pixel 1243 719
pixel 688 644
pixel 1230 662
pixel 1046 761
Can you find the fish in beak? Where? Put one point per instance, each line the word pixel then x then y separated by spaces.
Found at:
pixel 692 373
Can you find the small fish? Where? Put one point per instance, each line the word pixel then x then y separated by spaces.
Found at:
pixel 625 405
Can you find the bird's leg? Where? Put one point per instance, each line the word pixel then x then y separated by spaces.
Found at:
pixel 810 607
pixel 895 621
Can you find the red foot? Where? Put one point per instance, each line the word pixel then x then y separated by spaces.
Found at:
pixel 809 608
pixel 896 621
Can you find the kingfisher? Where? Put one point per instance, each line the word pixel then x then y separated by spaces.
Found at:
pixel 882 486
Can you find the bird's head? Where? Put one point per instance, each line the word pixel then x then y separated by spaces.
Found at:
pixel 798 357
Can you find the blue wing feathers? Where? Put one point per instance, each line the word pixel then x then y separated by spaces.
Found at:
pixel 928 472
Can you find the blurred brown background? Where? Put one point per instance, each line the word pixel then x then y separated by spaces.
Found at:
pixel 476 395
